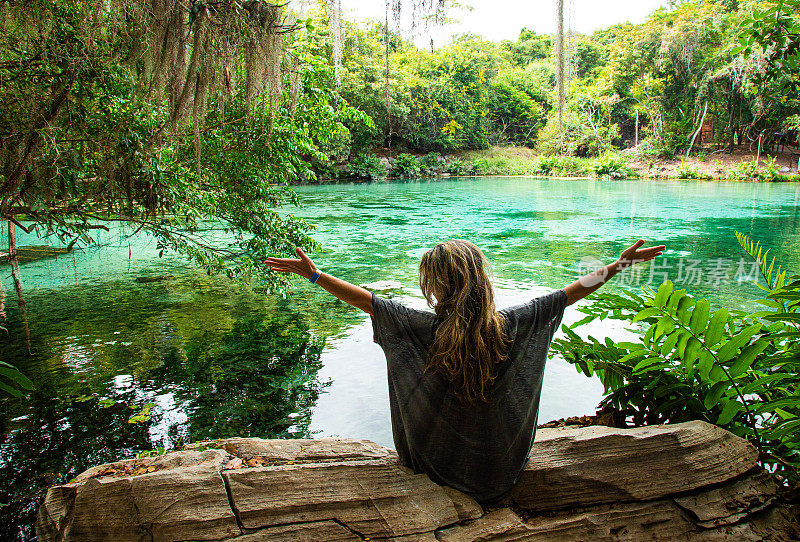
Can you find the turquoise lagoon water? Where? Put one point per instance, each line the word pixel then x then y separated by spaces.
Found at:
pixel 201 357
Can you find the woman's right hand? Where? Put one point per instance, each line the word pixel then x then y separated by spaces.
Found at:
pixel 302 266
pixel 635 254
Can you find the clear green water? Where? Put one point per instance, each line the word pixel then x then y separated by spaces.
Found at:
pixel 216 358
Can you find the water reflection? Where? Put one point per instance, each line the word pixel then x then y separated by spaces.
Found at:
pixel 128 368
pixel 54 441
pixel 258 379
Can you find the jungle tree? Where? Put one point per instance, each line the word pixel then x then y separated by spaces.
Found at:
pixel 184 121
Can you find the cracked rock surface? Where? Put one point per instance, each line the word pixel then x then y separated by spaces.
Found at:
pixel 688 481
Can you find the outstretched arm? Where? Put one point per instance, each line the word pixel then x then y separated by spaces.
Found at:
pixel 591 282
pixel 303 266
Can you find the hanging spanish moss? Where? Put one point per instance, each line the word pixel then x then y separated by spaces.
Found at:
pixel 571 68
pixel 295 84
pixel 387 95
pixel 424 14
pixel 335 15
pixel 190 53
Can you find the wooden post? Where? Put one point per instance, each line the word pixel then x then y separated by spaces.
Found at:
pixel 14 261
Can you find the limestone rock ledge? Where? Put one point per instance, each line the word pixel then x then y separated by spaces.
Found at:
pixel 688 481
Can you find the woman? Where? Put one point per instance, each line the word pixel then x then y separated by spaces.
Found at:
pixel 465 380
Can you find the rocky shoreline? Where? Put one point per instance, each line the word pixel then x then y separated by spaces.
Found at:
pixel 688 481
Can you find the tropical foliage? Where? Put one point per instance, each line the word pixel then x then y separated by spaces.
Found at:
pixel 13 381
pixel 736 369
pixel 775 29
pixel 682 67
pixel 187 124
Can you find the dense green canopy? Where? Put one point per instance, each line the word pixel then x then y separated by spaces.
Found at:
pixel 185 121
pixel 684 61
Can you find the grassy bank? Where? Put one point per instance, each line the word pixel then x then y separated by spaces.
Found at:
pixel 523 161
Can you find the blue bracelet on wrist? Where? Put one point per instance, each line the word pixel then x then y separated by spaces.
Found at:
pixel 313 278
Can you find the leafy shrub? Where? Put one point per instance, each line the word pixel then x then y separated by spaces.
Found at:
pixel 407 166
pixel 516 108
pixel 752 171
pixel 647 150
pixel 613 165
pixel 499 166
pixel 546 165
pixel 572 165
pixel 458 166
pixel 719 169
pixel 561 165
pixel 368 166
pixel 737 370
pixel 432 163
pixel 686 171
pixel 744 170
pixel 485 166
pixel 769 171
pixel 574 135
pixel 666 150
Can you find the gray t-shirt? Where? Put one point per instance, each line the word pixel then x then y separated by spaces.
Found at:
pixel 481 449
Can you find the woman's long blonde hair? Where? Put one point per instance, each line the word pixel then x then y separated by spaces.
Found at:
pixel 470 340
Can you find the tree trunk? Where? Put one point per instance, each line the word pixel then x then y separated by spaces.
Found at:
pixel 636 138
pixel 14 261
pixel 739 134
pixel 560 63
pixel 758 152
pixel 730 119
pixel 386 89
pixel 699 129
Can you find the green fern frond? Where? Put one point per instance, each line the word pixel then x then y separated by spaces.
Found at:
pixel 766 266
